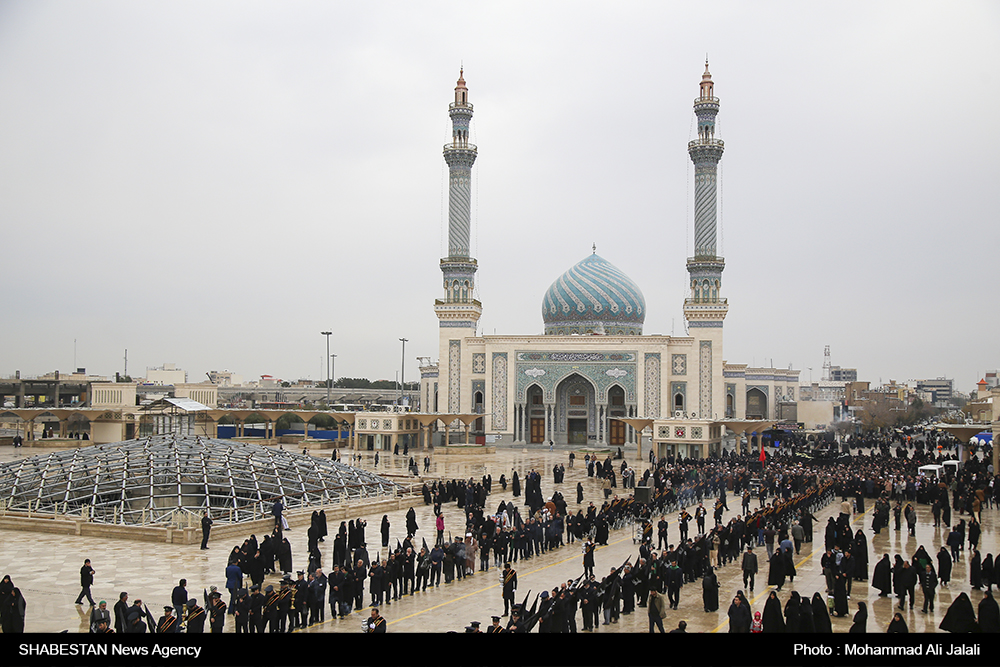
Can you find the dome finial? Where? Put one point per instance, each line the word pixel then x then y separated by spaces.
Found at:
pixel 595 248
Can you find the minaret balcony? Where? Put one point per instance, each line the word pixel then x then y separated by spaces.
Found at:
pixel 474 303
pixel 456 105
pixel 706 142
pixel 706 301
pixel 460 145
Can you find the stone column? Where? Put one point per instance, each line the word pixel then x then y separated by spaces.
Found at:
pixel 601 423
pixel 547 422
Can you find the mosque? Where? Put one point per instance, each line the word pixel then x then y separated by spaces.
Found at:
pixel 593 367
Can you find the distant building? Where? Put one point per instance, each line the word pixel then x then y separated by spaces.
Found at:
pixel 225 378
pixel 942 389
pixel 166 374
pixel 838 374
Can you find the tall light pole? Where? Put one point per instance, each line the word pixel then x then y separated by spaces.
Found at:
pixel 402 370
pixel 327 334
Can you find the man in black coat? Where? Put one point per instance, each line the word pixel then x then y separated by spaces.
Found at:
pixel 121 613
pixel 628 590
pixel 749 567
pixel 206 528
pixel 179 598
pixel 216 612
pixel 168 623
pixel 195 617
pixel 256 620
pixel 300 601
pixel 907 584
pixel 929 587
pixel 86 581
pixel 509 578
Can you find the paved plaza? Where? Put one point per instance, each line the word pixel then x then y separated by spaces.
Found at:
pixel 46 567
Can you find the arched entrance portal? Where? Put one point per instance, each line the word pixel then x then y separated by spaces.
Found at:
pixel 575 410
pixel 756 404
pixel 536 415
pixel 616 408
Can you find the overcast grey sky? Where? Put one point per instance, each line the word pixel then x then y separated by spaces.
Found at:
pixel 214 183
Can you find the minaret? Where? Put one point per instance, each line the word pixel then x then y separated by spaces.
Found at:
pixel 458 312
pixel 704 307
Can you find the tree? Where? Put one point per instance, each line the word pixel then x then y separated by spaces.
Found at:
pixel 877 414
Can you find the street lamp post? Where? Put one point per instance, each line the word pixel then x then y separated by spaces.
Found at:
pixel 327 334
pixel 402 370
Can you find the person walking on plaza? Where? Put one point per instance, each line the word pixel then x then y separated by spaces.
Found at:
pixel 179 598
pixel 656 609
pixel 206 528
pixel 86 581
pixel 929 586
pixel 749 567
pixel 509 579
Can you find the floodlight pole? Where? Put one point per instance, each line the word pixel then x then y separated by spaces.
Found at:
pixel 402 367
pixel 327 334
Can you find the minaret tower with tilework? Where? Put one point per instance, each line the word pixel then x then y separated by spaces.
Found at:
pixel 458 312
pixel 704 307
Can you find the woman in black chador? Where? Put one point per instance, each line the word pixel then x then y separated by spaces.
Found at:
pixel 710 590
pixel 860 619
pixel 821 615
pixel 840 595
pixel 411 522
pixel 793 613
pixel 989 614
pixel 771 618
pixel 882 576
pixel 960 617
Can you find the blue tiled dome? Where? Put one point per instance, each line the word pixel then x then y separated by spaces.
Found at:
pixel 593 297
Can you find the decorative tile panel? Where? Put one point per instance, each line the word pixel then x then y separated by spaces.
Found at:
pixel 705 378
pixel 454 375
pixel 603 369
pixel 499 391
pixel 651 386
pixel 678 364
pixel 478 362
pixel 696 432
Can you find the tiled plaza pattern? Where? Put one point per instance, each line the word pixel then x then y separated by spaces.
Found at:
pixel 46 567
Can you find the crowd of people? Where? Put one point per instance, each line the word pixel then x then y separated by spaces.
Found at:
pixel 773 515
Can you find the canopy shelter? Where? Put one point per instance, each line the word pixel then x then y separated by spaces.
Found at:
pixel 154 479
pixel 427 419
pixel 174 415
pixel 748 426
pixel 964 434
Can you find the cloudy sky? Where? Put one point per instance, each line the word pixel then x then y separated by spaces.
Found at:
pixel 214 183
